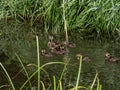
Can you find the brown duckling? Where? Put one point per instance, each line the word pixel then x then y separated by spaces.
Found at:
pixel 59 50
pixel 71 45
pixel 52 45
pixel 46 54
pixel 109 58
pixel 84 59
pixel 78 56
pixel 56 51
pixel 50 38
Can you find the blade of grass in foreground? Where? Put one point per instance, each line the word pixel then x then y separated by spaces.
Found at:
pixel 78 77
pixel 94 81
pixel 38 62
pixel 50 63
pixel 54 79
pixel 99 86
pixel 12 85
pixel 62 74
pixel 60 85
pixel 43 85
pixel 24 69
pixel 2 86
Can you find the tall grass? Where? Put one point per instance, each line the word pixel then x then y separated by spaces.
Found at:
pixel 100 16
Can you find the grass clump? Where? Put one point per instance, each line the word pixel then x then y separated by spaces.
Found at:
pixel 100 17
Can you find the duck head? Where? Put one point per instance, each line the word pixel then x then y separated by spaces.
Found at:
pixel 43 51
pixel 107 56
pixel 78 56
pixel 50 38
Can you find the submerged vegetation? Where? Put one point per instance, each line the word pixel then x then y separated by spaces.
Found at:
pixel 99 17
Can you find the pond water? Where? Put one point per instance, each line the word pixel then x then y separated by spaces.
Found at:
pixel 22 41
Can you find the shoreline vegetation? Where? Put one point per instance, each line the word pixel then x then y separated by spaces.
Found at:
pixel 90 17
pixel 86 16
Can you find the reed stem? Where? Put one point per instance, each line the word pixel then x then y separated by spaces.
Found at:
pixel 38 62
pixel 65 22
pixel 79 71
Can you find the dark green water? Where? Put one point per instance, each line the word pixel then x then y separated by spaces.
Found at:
pixel 22 41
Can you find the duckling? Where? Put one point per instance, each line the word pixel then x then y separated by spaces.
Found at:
pixel 59 50
pixel 53 45
pixel 46 54
pixel 71 45
pixel 78 56
pixel 50 38
pixel 109 58
pixel 84 59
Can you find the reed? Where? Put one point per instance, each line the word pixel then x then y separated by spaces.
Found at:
pixel 65 21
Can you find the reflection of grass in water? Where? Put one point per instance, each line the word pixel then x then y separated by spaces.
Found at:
pixel 57 84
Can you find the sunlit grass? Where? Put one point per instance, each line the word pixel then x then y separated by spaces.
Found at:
pixel 101 16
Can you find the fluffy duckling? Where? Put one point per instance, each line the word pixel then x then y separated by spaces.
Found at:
pixel 84 59
pixel 52 45
pixel 109 58
pixel 71 45
pixel 50 38
pixel 59 50
pixel 46 54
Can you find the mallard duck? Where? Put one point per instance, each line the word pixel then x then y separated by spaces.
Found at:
pixel 46 54
pixel 109 58
pixel 71 45
pixel 84 59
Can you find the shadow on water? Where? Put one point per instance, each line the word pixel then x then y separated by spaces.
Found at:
pixel 22 42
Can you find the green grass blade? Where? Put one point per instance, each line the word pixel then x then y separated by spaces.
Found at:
pixel 24 69
pixel 43 85
pixel 94 81
pixel 60 84
pixel 38 62
pixel 2 86
pixel 79 71
pixel 12 85
pixel 54 80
